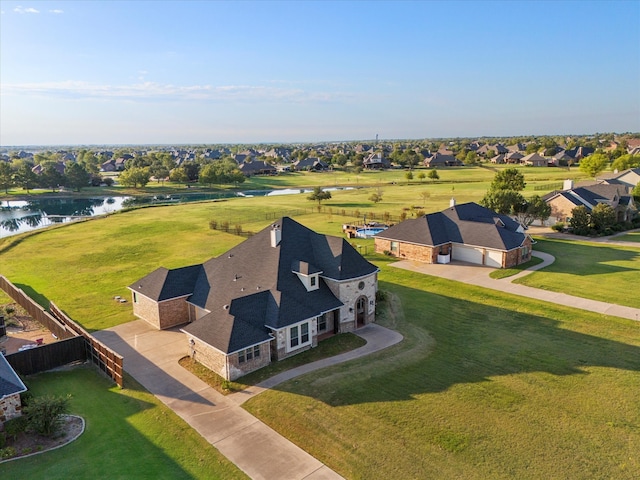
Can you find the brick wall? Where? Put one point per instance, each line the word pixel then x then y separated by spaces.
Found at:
pixel 146 309
pixel 161 315
pixel 348 292
pixel 227 366
pixel 409 251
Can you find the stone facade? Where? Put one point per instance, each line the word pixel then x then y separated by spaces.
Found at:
pixel 161 315
pixel 10 407
pixel 349 292
pixel 227 366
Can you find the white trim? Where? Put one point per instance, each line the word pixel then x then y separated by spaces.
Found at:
pixel 309 323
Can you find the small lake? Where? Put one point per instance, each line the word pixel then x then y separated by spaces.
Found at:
pixel 18 216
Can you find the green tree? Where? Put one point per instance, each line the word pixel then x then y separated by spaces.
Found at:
pixel 318 195
pixel 135 177
pixel 533 209
pixel 508 179
pixel 76 176
pixel 471 158
pixel 51 177
pixel 603 216
pixel 208 175
pixel 433 175
pixel 503 201
pixel 25 177
pixel 422 176
pixel 636 193
pixel 594 164
pixel 580 220
pixel 625 162
pixel 425 195
pixel 179 175
pixel 159 171
pixel 376 197
pixel 6 176
pixel 409 175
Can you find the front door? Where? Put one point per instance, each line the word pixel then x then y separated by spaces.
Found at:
pixel 361 311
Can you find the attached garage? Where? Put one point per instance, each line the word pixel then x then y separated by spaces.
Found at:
pixel 463 253
pixel 493 258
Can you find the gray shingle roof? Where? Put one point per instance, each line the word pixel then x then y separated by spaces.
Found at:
pixel 467 223
pixel 10 383
pixel 254 285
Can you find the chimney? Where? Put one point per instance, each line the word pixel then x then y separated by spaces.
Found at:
pixel 567 185
pixel 452 202
pixel 276 235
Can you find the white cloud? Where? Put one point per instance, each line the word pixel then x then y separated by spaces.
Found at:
pixel 56 11
pixel 168 92
pixel 20 9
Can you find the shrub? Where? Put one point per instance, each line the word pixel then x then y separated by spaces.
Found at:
pixel 381 296
pixel 3 440
pixel 213 224
pixel 7 453
pixel 108 181
pixel 15 426
pixel 558 227
pixel 44 414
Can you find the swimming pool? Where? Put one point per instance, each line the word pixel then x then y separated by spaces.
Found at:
pixel 368 232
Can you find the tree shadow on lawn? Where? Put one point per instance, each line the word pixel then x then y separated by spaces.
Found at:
pixel 470 343
pixel 111 446
pixel 570 257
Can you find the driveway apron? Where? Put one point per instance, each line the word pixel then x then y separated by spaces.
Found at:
pixel 151 357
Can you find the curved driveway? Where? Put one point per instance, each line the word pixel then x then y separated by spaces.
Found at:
pixel 479 275
pixel 151 357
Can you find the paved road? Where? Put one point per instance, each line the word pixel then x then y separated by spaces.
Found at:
pixel 478 275
pixel 151 357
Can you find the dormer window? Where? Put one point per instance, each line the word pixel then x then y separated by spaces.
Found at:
pixel 307 273
pixel 313 280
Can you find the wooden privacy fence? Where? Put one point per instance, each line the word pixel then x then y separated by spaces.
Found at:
pixel 106 359
pixel 64 328
pixel 46 357
pixel 35 310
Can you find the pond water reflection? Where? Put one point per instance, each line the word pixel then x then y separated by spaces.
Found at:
pixel 19 216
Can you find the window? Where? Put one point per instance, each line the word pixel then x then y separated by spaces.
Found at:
pixel 135 297
pixel 313 281
pixel 299 335
pixel 360 285
pixel 322 323
pixel 394 246
pixel 249 354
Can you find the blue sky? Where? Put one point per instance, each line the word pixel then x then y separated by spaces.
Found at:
pixel 140 72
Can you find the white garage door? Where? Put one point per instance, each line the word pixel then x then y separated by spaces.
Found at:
pixel 467 254
pixel 493 259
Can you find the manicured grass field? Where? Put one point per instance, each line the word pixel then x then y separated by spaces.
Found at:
pixel 609 273
pixel 129 434
pixel 484 386
pixel 629 237
pixel 509 272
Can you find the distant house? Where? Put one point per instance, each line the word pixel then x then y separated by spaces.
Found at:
pixel 563 202
pixel 629 178
pixel 513 157
pixel 534 160
pixel 579 153
pixel 272 296
pixel 439 159
pixel 10 389
pixel 311 163
pixel 376 161
pixel 468 232
pixel 257 167
pixel 39 169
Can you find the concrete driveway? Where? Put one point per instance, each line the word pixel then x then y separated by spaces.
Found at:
pixel 479 275
pixel 151 357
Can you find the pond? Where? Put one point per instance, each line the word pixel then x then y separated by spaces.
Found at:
pixel 18 216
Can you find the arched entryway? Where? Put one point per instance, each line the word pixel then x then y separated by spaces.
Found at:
pixel 361 311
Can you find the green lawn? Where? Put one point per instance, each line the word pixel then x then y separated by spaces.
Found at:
pixel 509 272
pixel 629 237
pixel 482 387
pixel 609 273
pixel 129 434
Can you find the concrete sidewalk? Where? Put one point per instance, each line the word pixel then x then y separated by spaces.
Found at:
pixel 479 275
pixel 151 357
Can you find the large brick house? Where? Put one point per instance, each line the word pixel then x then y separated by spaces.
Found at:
pixel 272 296
pixel 10 389
pixel 616 195
pixel 467 232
